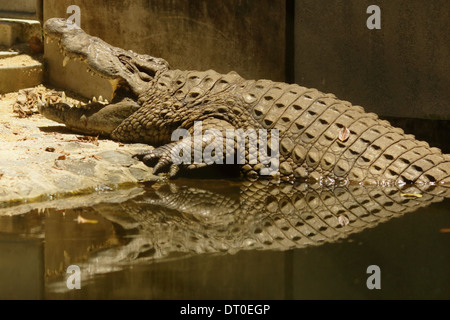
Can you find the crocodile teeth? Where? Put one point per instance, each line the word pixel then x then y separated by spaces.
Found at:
pixel 100 98
pixel 63 96
pixel 94 99
pixel 89 102
pixel 103 102
pixel 40 103
pixel 65 61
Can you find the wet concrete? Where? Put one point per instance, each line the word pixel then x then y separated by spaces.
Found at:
pixel 42 160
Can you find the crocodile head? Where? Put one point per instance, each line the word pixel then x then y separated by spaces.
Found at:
pixel 121 67
pixel 130 74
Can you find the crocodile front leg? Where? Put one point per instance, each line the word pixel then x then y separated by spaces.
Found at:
pixel 162 157
pixel 200 145
pixel 215 141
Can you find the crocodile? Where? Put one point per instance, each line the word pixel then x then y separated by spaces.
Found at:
pixel 319 137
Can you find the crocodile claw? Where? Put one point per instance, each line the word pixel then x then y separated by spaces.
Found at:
pixel 160 159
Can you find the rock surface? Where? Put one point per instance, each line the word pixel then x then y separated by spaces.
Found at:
pixel 42 160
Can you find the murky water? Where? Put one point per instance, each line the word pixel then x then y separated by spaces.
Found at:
pixel 227 239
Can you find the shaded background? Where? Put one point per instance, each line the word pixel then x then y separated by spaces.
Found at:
pixel 402 70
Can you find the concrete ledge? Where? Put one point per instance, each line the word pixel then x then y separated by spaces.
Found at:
pixel 8 54
pixel 14 31
pixel 19 15
pixel 14 78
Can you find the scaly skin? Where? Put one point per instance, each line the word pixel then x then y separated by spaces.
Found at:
pixel 155 100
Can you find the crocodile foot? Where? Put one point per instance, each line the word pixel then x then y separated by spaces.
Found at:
pixel 160 159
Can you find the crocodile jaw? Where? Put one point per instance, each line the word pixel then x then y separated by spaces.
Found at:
pixel 98 119
pixel 121 67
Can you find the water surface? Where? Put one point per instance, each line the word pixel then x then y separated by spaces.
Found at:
pixel 228 239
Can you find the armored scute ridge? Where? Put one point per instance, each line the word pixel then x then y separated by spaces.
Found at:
pixel 321 138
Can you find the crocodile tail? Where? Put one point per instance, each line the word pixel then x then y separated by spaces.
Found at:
pixel 322 137
pixel 440 172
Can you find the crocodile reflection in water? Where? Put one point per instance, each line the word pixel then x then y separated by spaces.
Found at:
pixel 174 218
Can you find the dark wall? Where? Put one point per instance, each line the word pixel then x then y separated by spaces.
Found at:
pixel 247 36
pixel 401 70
